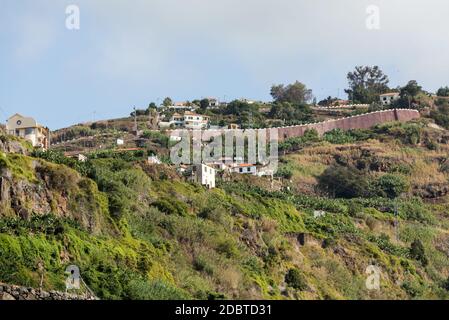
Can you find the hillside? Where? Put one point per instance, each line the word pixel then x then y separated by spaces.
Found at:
pixel 142 232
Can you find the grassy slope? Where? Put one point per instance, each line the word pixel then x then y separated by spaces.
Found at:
pixel 170 239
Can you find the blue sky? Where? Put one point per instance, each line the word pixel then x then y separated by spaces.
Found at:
pixel 133 52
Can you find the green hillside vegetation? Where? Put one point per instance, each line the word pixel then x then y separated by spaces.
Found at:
pixel 142 232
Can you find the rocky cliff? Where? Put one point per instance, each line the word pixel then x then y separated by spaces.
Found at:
pixel 34 187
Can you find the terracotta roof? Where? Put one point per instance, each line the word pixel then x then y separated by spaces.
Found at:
pixel 242 165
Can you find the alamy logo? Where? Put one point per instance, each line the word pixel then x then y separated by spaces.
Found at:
pixel 373 19
pixel 252 146
pixel 72 21
pixel 73 280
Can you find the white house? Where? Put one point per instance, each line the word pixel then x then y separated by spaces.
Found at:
pixel 176 120
pixel 204 175
pixel 244 168
pixel 189 120
pixel 195 121
pixel 387 98
pixel 28 129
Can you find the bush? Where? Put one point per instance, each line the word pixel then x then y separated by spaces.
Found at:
pixel 390 186
pixel 171 206
pixel 343 182
pixel 154 290
pixel 417 252
pixel 228 248
pixel 284 172
pixel 296 143
pixel 201 264
pixel 295 279
pixel 338 136
pixel 413 209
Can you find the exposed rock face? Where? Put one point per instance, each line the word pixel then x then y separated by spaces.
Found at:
pixel 10 292
pixel 19 197
pixel 12 146
pixel 54 190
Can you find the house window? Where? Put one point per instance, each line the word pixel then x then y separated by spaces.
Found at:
pixel 29 131
pixel 241 169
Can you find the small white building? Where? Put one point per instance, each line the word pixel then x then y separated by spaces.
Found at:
pixel 204 175
pixel 387 98
pixel 189 120
pixel 195 121
pixel 244 168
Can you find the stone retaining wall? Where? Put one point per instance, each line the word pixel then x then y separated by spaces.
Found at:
pixel 11 292
pixel 363 121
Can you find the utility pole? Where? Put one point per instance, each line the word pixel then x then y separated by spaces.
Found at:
pixel 135 119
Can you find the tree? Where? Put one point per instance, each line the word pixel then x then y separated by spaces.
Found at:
pixel 366 84
pixel 152 105
pixel 295 279
pixel 296 93
pixel 343 182
pixel 443 92
pixel 411 89
pixel 204 104
pixel 239 108
pixel 167 102
pixel 290 112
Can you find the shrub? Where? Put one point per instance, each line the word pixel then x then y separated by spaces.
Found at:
pixel 355 209
pixel 343 182
pixel 413 209
pixel 285 172
pixel 154 290
pixel 417 252
pixel 201 264
pixel 390 186
pixel 228 248
pixel 171 206
pixel 295 279
pixel 295 143
pixel 338 136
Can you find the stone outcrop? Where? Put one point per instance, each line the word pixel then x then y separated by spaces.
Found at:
pixel 9 145
pixel 11 292
pixel 53 189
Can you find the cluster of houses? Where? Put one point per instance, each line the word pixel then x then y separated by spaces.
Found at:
pixel 185 117
pixel 205 173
